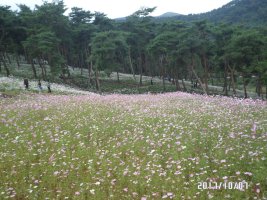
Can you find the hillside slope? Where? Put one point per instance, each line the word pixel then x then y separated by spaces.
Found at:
pixel 246 12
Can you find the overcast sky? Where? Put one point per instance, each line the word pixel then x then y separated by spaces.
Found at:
pixel 122 8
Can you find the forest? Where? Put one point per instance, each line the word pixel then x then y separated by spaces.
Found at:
pixel 199 51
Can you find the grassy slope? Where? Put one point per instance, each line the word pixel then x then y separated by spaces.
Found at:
pixel 127 84
pixel 131 146
pixel 13 86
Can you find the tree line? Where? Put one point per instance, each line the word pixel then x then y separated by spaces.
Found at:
pixel 199 51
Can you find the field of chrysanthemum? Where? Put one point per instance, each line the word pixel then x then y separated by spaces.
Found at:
pixel 172 146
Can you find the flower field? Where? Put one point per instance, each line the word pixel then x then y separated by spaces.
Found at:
pixel 132 147
pixel 14 83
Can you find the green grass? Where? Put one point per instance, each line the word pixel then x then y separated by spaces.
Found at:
pixel 10 93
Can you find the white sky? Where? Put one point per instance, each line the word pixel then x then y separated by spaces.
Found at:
pixel 122 8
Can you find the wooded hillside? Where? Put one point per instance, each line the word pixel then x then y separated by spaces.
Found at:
pixel 205 53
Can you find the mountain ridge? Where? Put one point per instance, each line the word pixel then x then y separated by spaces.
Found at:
pixel 244 12
pixel 168 14
pixel 164 15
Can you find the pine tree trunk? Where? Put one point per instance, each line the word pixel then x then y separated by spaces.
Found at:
pixel 131 64
pixel 90 66
pixel 163 82
pixel 81 70
pixel 162 73
pixel 68 71
pixel 184 87
pixel 45 73
pixel 141 70
pixel 33 69
pixel 205 73
pixel 81 63
pixel 196 76
pixel 225 89
pixel 17 60
pixel 232 78
pixel 141 77
pixel 259 86
pixel 5 65
pixel 97 84
pixel 6 68
pixel 8 58
pixel 42 68
pixel 118 77
pixel 245 87
pixel 177 84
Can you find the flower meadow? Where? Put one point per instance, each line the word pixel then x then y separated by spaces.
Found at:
pixel 131 146
pixel 15 83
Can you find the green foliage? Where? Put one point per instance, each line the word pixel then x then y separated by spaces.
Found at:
pixel 11 33
pixel 109 49
pixel 245 49
pixel 143 12
pixel 102 22
pixel 80 16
